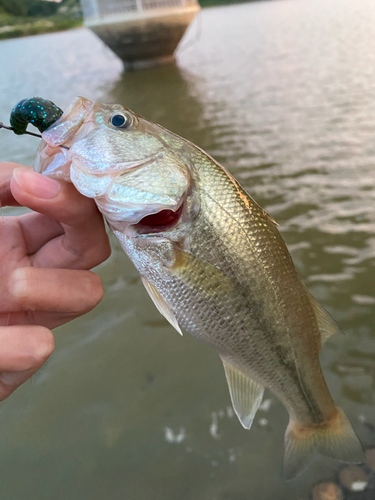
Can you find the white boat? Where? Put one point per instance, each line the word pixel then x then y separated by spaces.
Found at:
pixel 140 32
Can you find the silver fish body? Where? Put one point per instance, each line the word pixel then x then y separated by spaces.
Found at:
pixel 213 262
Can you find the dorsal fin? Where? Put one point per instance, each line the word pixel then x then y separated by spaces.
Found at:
pixel 246 395
pixel 161 305
pixel 327 325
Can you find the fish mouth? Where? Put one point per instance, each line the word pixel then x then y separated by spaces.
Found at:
pixel 69 124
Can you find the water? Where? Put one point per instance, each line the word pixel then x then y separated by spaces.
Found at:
pixel 282 93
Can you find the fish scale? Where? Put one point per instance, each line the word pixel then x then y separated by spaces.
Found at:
pixel 227 263
pixel 218 269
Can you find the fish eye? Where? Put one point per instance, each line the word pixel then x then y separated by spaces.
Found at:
pixel 120 120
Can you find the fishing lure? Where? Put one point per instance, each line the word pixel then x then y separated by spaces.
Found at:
pixel 35 110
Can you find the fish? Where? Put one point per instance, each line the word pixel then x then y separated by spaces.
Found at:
pixel 213 263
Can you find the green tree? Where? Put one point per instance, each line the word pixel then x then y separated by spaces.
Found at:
pixel 15 7
pixel 23 8
pixel 42 8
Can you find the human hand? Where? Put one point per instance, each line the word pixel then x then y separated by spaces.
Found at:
pixel 44 260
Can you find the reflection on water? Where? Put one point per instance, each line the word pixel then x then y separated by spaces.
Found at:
pixel 282 93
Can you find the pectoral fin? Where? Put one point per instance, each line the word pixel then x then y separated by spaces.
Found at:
pixel 327 325
pixel 161 305
pixel 246 395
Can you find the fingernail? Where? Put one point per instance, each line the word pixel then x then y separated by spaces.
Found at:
pixel 36 184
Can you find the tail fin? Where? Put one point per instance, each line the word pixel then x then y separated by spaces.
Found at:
pixel 334 438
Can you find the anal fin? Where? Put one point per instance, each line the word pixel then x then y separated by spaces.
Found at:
pixel 161 305
pixel 246 395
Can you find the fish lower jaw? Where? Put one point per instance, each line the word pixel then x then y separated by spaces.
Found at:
pixel 118 214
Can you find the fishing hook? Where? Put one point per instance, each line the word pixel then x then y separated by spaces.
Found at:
pixel 29 133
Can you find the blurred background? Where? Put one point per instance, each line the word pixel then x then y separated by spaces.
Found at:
pixel 31 17
pixel 282 93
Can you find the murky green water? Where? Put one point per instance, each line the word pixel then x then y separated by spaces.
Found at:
pixel 283 94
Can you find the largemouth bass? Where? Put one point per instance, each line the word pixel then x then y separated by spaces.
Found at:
pixel 212 261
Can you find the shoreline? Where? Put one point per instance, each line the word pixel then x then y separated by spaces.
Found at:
pixel 39 27
pixel 23 27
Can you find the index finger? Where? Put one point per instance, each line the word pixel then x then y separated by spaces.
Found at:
pixel 84 243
